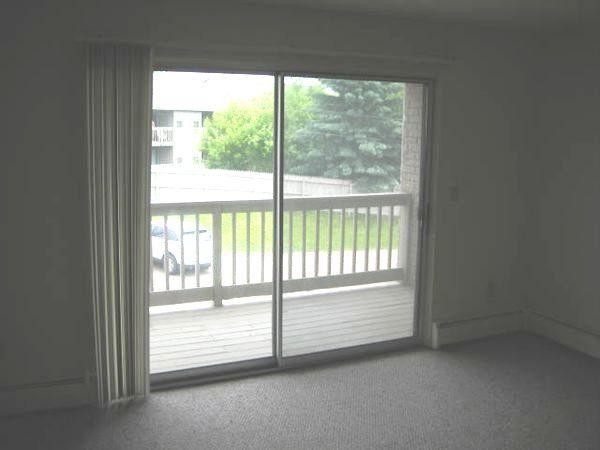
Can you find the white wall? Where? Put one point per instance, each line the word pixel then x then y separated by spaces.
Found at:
pixel 563 185
pixel 44 282
pixel 186 139
pixel 482 116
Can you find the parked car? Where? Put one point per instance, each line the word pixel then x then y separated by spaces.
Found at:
pixel 172 249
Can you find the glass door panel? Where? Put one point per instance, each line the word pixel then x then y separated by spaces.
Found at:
pixel 352 164
pixel 211 206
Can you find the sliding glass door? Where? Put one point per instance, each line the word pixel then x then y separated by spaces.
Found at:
pixel 284 217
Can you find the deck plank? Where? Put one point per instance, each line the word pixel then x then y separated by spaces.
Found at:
pixel 314 322
pixel 290 320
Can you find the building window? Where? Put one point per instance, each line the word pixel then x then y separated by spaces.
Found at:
pixel 179 123
pixel 162 155
pixel 205 116
pixel 196 124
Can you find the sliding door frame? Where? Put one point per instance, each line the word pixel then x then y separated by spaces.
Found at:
pixel 277 362
pixel 278 171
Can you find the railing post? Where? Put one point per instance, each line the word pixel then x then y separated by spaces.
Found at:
pixel 404 230
pixel 216 225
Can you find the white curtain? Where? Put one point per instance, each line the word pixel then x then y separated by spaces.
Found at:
pixel 119 87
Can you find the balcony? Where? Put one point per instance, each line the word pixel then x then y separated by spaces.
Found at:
pixel 343 269
pixel 162 136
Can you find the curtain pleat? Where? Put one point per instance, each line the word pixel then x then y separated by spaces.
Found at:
pixel 119 88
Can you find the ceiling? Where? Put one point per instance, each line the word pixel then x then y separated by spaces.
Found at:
pixel 529 13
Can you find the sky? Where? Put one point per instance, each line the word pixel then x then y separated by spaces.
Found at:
pixel 202 91
pixel 206 91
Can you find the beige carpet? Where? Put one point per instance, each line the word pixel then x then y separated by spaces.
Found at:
pixel 512 392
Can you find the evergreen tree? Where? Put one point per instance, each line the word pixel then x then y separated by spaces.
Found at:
pixel 354 133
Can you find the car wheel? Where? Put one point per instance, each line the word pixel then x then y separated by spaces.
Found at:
pixel 172 264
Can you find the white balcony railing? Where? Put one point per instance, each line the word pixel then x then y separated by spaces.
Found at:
pixel 162 136
pixel 329 242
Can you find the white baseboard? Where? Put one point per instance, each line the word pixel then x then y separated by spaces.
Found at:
pixel 567 335
pixel 450 332
pixel 43 396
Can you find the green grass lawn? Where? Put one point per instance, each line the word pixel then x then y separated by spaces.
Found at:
pixel 311 219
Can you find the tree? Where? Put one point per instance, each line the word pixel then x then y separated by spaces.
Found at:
pixel 298 109
pixel 240 137
pixel 354 133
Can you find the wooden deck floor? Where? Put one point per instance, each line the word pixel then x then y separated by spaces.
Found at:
pixel 312 322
